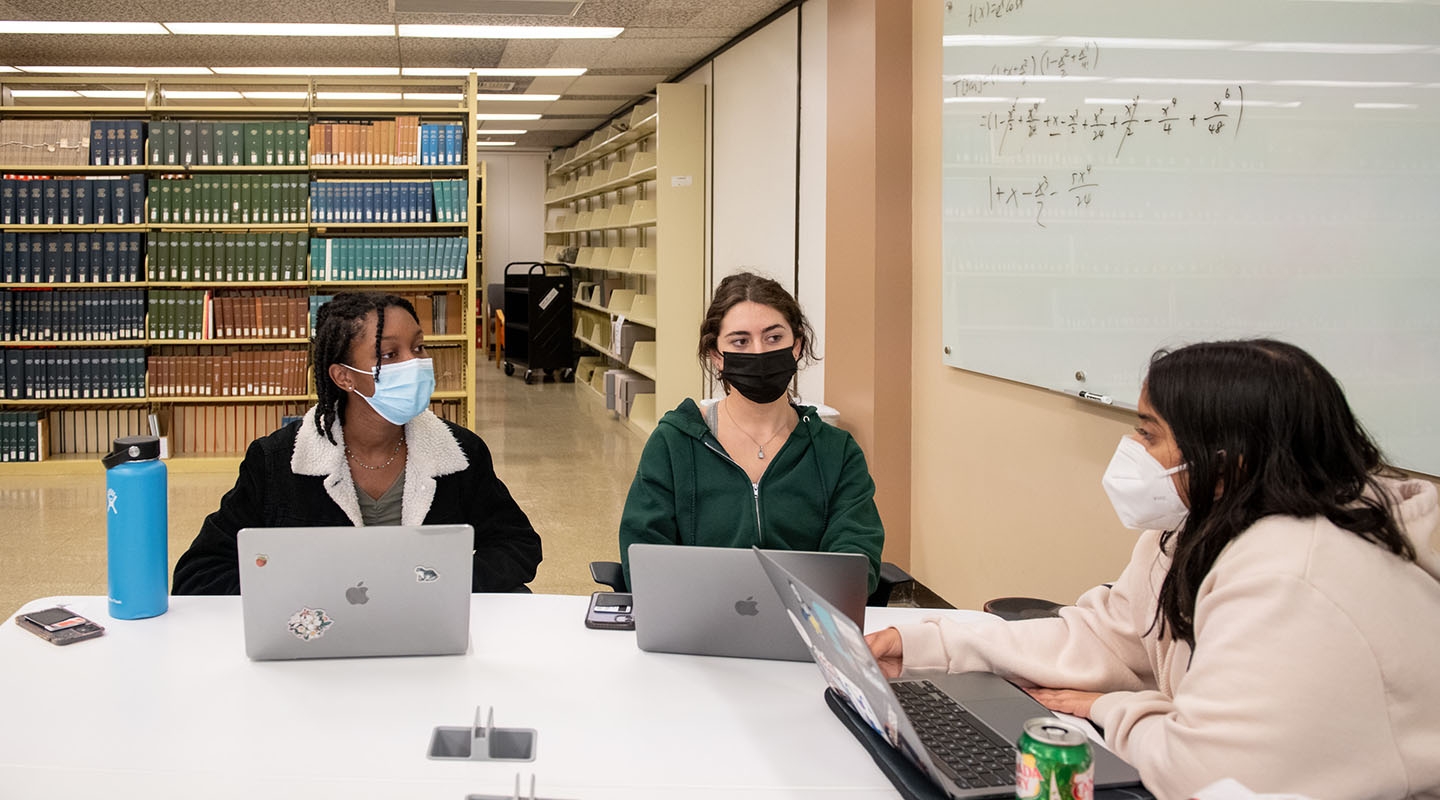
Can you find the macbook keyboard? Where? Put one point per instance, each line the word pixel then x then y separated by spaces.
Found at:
pixel 961 746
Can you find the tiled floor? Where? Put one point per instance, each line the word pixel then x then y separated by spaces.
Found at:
pixel 565 459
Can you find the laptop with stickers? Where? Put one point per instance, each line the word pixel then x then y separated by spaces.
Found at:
pixel 934 734
pixel 716 601
pixel 344 592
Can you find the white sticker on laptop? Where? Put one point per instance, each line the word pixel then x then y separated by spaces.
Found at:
pixel 309 624
pixel 425 574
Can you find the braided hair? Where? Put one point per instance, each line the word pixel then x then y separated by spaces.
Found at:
pixel 337 323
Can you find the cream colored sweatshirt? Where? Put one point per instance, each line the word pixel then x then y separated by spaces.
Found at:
pixel 1316 667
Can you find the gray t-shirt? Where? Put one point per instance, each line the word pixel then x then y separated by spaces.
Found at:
pixel 385 509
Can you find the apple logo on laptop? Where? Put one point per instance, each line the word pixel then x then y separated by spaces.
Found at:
pixel 747 607
pixel 357 595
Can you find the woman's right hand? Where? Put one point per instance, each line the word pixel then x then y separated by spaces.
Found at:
pixel 888 649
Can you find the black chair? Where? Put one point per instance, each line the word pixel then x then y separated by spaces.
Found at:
pixel 1017 608
pixel 609 573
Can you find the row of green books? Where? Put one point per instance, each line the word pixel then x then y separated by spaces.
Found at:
pixel 270 199
pixel 20 435
pixel 388 259
pixel 229 257
pixel 268 142
pixel 73 373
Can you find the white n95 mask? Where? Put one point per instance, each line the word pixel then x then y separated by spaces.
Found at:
pixel 1141 490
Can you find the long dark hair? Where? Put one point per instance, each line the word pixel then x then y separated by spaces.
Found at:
pixel 337 324
pixel 740 287
pixel 1264 429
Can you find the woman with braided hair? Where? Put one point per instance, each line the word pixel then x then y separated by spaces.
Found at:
pixel 369 453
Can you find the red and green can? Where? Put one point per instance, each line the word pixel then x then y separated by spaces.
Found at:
pixel 1053 762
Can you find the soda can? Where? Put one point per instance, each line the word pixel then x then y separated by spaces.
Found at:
pixel 1053 761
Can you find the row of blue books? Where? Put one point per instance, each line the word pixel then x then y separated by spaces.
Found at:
pixel 71 257
pixel 443 144
pixel 400 259
pixel 91 315
pixel 61 373
pixel 36 200
pixel 389 201
pixel 117 143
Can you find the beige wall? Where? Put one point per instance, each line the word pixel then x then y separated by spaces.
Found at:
pixel 867 245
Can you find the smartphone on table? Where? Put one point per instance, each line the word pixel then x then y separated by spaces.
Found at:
pixel 610 611
pixel 58 625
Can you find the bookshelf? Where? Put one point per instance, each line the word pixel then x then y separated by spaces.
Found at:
pixel 435 262
pixel 629 198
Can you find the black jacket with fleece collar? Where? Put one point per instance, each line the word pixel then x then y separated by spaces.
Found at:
pixel 296 478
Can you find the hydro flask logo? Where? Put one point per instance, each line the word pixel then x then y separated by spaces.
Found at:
pixel 110 500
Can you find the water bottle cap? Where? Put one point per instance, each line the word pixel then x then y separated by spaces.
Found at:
pixel 132 448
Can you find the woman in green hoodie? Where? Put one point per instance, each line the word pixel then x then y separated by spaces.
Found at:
pixel 753 468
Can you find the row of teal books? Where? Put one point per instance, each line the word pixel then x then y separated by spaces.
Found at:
pixel 228 257
pixel 389 201
pixel 383 259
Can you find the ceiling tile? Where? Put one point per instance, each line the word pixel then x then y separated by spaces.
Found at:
pixel 616 84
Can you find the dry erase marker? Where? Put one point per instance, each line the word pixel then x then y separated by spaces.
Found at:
pixel 1099 398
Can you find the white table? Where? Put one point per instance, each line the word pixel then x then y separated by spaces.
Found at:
pixel 171 707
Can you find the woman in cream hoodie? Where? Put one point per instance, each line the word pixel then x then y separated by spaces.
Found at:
pixel 1279 620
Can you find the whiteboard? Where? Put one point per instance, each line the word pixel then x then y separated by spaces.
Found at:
pixel 1126 175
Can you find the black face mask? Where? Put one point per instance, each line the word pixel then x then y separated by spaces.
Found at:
pixel 760 377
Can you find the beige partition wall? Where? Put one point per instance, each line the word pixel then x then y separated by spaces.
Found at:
pixel 680 192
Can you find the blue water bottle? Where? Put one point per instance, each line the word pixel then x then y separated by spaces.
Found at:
pixel 137 529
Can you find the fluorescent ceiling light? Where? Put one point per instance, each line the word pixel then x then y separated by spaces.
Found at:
pixel 200 95
pixel 506 32
pixel 9 69
pixel 275 95
pixel 494 144
pixel 501 132
pixel 434 96
pixel 385 71
pixel 277 29
pixel 514 117
pixel 45 93
pixel 72 70
pixel 1009 101
pixel 110 28
pixel 127 94
pixel 1382 106
pixel 358 95
pixel 537 98
pixel 493 72
pixel 1336 48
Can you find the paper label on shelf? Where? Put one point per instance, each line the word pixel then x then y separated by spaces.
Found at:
pixel 549 298
pixel 681 180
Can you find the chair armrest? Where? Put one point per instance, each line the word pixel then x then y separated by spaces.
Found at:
pixel 609 573
pixel 891 576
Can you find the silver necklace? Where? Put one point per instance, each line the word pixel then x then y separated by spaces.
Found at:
pixel 760 448
pixel 393 454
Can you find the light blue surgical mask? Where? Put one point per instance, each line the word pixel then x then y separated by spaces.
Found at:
pixel 403 389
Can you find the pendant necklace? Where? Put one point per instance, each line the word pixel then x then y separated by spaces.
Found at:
pixel 760 448
pixel 393 454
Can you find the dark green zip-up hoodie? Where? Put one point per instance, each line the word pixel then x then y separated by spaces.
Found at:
pixel 816 494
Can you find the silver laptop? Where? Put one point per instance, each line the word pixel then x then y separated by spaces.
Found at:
pixel 716 601
pixel 959 729
pixel 368 591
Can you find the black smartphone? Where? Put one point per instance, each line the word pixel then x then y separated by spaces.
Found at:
pixel 610 611
pixel 59 625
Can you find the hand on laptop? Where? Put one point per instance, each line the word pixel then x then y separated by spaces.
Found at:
pixel 888 650
pixel 1069 701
